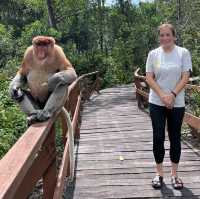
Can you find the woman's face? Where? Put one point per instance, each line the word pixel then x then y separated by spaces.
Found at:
pixel 167 40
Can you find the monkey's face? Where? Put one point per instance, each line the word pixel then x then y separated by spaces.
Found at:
pixel 41 51
pixel 43 46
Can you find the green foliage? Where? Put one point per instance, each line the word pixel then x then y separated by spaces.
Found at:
pixel 34 29
pixel 18 13
pixel 12 66
pixel 37 28
pixel 196 105
pixel 191 41
pixel 114 75
pixel 193 102
pixel 6 45
pixel 12 121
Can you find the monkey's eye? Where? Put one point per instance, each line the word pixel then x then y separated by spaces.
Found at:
pixel 41 44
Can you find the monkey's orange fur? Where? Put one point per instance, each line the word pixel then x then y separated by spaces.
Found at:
pixel 38 70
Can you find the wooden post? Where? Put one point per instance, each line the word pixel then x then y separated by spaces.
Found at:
pixel 64 127
pixel 49 181
pixel 138 97
pixel 49 177
pixel 77 134
pixel 75 98
pixel 76 119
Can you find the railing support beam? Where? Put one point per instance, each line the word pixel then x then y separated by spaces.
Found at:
pixel 49 177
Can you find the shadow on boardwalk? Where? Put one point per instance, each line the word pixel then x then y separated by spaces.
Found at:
pixel 114 157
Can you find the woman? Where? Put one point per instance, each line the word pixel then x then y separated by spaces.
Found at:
pixel 167 72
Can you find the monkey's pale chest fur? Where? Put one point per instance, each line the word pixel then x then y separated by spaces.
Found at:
pixel 37 79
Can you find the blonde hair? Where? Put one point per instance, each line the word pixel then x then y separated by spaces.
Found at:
pixel 167 25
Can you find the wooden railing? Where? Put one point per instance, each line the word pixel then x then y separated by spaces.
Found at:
pixel 142 94
pixel 33 157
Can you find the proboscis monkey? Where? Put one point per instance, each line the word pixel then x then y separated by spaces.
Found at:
pixel 46 72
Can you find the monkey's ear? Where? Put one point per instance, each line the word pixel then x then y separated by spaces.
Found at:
pixel 52 40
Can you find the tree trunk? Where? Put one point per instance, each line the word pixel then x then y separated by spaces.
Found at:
pixel 51 16
pixel 179 21
pixel 101 22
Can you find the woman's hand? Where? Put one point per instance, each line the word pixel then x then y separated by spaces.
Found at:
pixel 168 100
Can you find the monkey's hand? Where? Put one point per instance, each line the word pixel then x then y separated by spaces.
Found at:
pixel 16 94
pixel 37 116
pixel 64 77
pixel 15 88
pixel 43 116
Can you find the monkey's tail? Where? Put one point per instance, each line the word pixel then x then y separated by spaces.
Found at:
pixel 71 143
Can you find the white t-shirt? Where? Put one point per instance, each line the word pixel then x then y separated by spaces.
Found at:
pixel 167 68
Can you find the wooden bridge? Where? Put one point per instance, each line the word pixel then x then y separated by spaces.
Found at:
pixel 114 156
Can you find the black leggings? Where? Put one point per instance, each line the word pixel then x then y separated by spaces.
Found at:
pixel 174 117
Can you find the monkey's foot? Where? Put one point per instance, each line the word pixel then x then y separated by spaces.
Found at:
pixel 43 116
pixel 37 116
pixel 32 119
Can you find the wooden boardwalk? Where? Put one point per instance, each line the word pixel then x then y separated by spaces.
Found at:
pixel 114 154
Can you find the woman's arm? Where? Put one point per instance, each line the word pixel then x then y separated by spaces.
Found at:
pixel 186 69
pixel 150 75
pixel 165 98
pixel 153 84
pixel 182 83
pixel 170 99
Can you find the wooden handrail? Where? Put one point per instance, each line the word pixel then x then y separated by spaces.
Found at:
pixel 19 158
pixel 143 78
pixel 33 156
pixel 142 98
pixel 65 159
pixel 136 75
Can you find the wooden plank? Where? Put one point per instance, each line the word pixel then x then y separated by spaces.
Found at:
pixel 132 170
pixel 131 156
pixel 192 182
pixel 192 120
pixel 134 176
pixel 133 192
pixel 114 129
